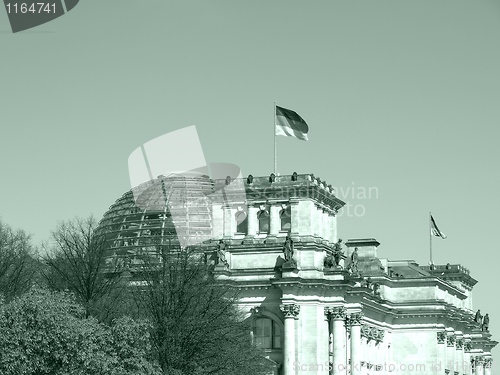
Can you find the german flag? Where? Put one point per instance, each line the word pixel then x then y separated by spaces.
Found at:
pixel 435 231
pixel 290 124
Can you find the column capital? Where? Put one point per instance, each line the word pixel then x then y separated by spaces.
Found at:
pixel 451 340
pixel 467 346
pixel 460 343
pixel 378 335
pixel 479 360
pixel 366 331
pixel 290 310
pixel 336 313
pixel 372 333
pixel 355 318
pixel 441 337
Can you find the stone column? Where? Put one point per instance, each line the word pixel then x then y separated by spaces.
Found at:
pixel 450 353
pixel 228 228
pixel 467 366
pixel 290 311
pixel 479 361
pixel 441 342
pixel 355 323
pixel 371 355
pixel 274 220
pixel 253 224
pixel 380 350
pixel 364 354
pixel 337 316
pixel 459 355
pixel 487 366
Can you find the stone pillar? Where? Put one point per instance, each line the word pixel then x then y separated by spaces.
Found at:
pixel 441 342
pixel 459 355
pixel 337 317
pixel 290 311
pixel 274 220
pixel 355 323
pixel 479 362
pixel 371 352
pixel 473 365
pixel 363 354
pixel 467 366
pixel 450 353
pixel 228 219
pixel 487 365
pixel 253 224
pixel 380 350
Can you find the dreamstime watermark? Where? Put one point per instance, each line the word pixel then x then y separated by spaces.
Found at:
pixel 26 14
pixel 387 367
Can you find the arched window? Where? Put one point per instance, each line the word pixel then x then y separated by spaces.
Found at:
pixel 267 334
pixel 286 218
pixel 263 217
pixel 241 222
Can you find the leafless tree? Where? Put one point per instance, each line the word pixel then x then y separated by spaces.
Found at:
pixel 76 260
pixel 17 261
pixel 197 328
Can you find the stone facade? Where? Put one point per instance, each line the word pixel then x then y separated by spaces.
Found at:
pixel 317 305
pixel 313 316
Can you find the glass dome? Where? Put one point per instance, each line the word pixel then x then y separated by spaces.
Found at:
pixel 165 213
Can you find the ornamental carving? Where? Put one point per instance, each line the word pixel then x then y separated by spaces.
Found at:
pixel 488 362
pixel 355 318
pixel 441 337
pixel 290 310
pixel 460 343
pixel 479 361
pixel 451 340
pixel 372 333
pixel 366 331
pixel 381 334
pixel 467 346
pixel 336 313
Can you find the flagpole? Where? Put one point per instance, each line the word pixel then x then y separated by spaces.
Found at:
pixel 430 236
pixel 274 132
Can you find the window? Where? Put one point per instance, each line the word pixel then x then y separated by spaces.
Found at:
pixel 286 218
pixel 241 222
pixel 263 217
pixel 267 334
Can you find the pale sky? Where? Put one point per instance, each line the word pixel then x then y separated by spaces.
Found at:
pixel 400 96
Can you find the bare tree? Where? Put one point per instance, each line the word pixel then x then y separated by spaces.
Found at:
pixel 76 261
pixel 17 261
pixel 197 328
